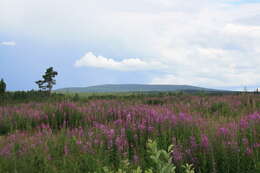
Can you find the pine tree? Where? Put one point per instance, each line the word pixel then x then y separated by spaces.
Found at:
pixel 48 80
pixel 2 87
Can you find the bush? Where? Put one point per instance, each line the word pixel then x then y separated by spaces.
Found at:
pixel 161 159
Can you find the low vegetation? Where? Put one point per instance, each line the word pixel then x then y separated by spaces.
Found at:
pixel 133 133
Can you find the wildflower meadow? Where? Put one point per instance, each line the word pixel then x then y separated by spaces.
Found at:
pixel 205 134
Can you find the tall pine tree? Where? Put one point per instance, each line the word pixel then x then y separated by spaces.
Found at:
pixel 48 80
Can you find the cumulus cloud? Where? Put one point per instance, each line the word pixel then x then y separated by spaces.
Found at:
pixel 8 43
pixel 131 64
pixel 205 42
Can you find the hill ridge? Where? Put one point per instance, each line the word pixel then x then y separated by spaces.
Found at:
pixel 134 88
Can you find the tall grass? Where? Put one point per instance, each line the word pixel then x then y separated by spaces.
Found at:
pixel 213 133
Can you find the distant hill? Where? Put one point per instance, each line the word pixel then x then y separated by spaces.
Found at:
pixel 134 88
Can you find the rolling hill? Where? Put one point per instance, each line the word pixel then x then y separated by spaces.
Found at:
pixel 134 88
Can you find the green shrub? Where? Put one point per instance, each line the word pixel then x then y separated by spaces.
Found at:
pixel 162 162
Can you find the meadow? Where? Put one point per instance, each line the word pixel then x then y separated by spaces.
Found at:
pixel 132 133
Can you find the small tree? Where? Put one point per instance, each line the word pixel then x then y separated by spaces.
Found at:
pixel 2 87
pixel 48 81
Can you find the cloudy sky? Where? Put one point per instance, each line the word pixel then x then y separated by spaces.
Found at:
pixel 208 43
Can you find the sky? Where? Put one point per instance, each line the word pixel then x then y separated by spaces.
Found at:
pixel 207 43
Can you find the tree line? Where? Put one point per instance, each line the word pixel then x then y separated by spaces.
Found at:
pixel 45 86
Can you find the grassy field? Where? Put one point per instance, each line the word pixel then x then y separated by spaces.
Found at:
pixel 132 133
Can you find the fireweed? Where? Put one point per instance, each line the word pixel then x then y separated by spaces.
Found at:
pixel 86 137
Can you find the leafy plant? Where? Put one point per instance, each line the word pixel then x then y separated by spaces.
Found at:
pixel 161 158
pixel 188 168
pixel 162 162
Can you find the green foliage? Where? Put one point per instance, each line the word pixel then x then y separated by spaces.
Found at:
pixel 2 87
pixel 188 168
pixel 221 108
pixel 162 159
pixel 48 81
pixel 154 102
pixel 76 97
pixel 16 97
pixel 162 162
pixel 126 169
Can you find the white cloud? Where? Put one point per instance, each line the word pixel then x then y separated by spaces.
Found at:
pixel 8 43
pixel 206 42
pixel 131 64
pixel 242 30
pixel 230 80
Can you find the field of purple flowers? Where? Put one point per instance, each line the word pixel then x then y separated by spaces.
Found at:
pixel 216 134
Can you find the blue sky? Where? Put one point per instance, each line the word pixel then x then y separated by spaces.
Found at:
pixel 205 43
